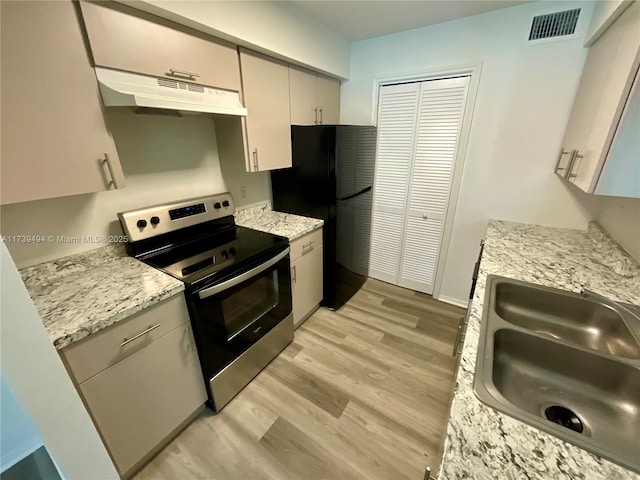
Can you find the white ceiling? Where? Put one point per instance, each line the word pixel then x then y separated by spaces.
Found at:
pixel 362 19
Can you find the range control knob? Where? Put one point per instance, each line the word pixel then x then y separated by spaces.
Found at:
pixel 155 220
pixel 225 203
pixel 217 205
pixel 232 251
pixel 224 255
pixel 141 223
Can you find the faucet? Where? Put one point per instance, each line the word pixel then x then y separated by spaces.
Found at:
pixel 617 306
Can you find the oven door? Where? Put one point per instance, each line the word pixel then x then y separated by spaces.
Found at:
pixel 231 316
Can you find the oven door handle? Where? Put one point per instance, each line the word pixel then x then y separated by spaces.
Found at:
pixel 207 292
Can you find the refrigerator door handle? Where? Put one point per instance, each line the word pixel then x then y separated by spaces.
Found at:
pixel 354 195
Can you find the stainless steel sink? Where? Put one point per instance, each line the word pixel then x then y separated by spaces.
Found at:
pixel 566 317
pixel 564 364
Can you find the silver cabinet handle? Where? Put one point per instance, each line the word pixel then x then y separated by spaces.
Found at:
pixel 458 334
pixel 255 159
pixel 570 164
pixel 307 247
pixel 427 475
pixel 114 180
pixel 294 275
pixel 563 152
pixel 320 115
pixel 186 335
pixel 207 292
pixel 316 114
pixel 182 74
pixel 129 340
pixel 576 156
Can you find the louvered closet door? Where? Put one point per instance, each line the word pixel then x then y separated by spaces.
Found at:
pixel 441 109
pixel 397 113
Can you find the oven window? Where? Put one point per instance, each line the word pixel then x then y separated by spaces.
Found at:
pixel 250 303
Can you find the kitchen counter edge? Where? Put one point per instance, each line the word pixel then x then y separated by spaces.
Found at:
pixel 287 225
pixel 82 294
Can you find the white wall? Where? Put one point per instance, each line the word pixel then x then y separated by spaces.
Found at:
pixel 523 104
pixel 163 158
pixel 279 29
pixel 33 369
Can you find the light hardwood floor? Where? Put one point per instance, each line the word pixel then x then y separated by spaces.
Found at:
pixel 360 393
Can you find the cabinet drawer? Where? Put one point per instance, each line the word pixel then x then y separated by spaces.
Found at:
pixel 99 351
pixel 138 402
pixel 127 39
pixel 306 244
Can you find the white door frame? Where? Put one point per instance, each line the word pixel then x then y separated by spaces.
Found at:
pixel 473 70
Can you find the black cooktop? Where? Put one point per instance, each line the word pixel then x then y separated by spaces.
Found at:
pixel 207 258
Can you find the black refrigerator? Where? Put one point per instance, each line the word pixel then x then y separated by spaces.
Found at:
pixel 331 178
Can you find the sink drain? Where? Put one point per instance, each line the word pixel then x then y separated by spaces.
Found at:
pixel 565 417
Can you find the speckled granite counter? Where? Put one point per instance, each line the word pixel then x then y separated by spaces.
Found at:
pixel 81 294
pixel 482 443
pixel 284 224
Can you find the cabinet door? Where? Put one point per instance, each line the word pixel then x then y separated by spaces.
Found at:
pixel 439 123
pixel 397 114
pixel 127 39
pixel 328 100
pixel 54 137
pixel 304 107
pixel 265 84
pixel 604 87
pixel 306 279
pixel 140 400
pixel 621 172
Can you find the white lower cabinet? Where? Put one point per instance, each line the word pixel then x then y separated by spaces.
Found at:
pixel 306 275
pixel 138 402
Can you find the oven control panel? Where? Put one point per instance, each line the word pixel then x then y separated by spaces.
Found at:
pixel 178 213
pixel 159 219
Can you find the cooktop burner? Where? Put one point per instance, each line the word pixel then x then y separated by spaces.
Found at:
pixel 208 256
pixel 196 240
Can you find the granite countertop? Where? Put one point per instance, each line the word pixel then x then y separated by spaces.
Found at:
pixel 284 224
pixel 82 294
pixel 482 443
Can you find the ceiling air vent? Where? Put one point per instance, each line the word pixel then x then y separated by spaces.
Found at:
pixel 554 24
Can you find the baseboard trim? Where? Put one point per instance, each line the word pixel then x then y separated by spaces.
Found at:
pixel 453 301
pixel 306 317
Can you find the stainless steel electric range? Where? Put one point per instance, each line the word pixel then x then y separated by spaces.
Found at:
pixel 237 285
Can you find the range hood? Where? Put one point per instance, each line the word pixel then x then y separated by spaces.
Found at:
pixel 124 89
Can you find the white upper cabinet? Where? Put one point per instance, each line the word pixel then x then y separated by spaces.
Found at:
pixel 54 138
pixel 265 87
pixel 328 99
pixel 304 109
pixel 621 172
pixel 127 39
pixel 315 99
pixel 602 98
